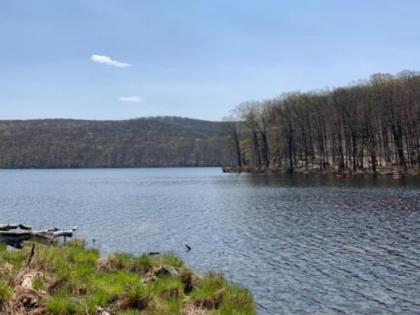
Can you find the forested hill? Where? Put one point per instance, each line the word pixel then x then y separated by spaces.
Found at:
pixel 63 143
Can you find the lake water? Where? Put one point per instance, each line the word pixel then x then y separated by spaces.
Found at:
pixel 301 244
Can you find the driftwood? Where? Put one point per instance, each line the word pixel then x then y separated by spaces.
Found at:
pixel 8 227
pixel 15 234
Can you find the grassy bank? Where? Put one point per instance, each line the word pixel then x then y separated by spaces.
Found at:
pixel 72 279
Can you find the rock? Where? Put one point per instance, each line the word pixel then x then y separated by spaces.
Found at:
pixel 191 309
pixel 161 271
pixel 101 311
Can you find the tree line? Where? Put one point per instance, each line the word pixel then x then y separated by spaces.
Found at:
pixel 368 126
pixel 144 142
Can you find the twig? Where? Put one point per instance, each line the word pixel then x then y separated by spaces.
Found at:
pixel 31 255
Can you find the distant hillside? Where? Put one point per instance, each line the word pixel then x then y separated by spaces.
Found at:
pixel 64 143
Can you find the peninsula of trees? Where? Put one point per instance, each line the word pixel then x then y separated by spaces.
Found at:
pixel 366 127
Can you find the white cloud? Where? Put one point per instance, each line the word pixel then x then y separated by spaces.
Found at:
pixel 130 99
pixel 108 61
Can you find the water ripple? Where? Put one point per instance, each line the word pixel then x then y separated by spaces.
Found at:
pixel 303 245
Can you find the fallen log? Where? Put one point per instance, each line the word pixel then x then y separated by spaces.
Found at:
pixel 15 234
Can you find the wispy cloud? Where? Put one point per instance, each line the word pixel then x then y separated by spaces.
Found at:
pixel 109 61
pixel 130 99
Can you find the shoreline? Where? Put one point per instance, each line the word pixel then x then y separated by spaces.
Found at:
pixel 315 171
pixel 73 279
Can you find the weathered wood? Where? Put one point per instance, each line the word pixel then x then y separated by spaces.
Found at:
pixel 25 227
pixel 8 227
pixel 15 234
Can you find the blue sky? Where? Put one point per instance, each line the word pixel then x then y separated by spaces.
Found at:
pixel 191 58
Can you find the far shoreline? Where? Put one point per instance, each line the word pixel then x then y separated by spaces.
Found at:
pixel 382 172
pixel 244 169
pixel 109 168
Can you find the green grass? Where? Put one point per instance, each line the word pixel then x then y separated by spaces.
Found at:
pixel 63 305
pixel 77 281
pixel 38 284
pixel 10 262
pixel 5 292
pixel 215 293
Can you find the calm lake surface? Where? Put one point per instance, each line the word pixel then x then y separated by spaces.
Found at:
pixel 302 244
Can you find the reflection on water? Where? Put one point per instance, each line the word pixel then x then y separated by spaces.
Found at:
pixel 302 244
